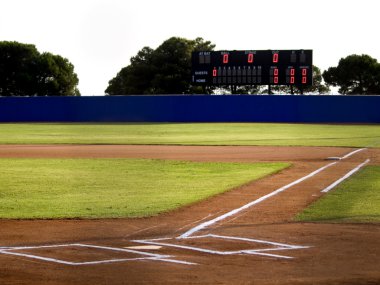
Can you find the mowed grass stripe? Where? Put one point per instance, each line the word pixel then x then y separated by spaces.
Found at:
pixel 113 188
pixel 356 200
pixel 193 134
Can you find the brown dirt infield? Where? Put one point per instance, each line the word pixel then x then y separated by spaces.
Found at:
pixel 338 253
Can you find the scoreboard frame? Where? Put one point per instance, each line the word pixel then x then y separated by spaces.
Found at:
pixel 252 67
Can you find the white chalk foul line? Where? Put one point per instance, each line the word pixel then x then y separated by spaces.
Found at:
pixel 255 202
pixel 348 174
pixel 352 153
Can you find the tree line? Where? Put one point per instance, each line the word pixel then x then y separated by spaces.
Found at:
pixel 24 71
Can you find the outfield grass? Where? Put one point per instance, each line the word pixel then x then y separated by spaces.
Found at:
pixel 193 134
pixel 356 200
pixel 109 188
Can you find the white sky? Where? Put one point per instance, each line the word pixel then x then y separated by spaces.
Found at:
pixel 100 36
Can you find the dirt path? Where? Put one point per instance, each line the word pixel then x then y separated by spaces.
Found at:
pixel 326 253
pixel 195 153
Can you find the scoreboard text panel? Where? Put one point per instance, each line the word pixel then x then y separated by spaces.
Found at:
pixel 253 67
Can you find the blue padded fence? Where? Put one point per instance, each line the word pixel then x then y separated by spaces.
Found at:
pixel 193 108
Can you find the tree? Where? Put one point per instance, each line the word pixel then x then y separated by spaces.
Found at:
pixel 56 76
pixel 18 64
pixel 355 74
pixel 172 62
pixel 165 70
pixel 135 78
pixel 26 72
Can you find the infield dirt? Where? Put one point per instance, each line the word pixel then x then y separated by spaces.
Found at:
pixel 336 253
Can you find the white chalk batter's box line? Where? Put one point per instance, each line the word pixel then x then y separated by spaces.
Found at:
pixel 15 251
pixel 263 252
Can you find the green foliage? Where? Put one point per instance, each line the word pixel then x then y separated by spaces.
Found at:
pixel 165 70
pixel 57 75
pixel 112 188
pixel 356 200
pixel 134 78
pixel 318 87
pixel 355 74
pixel 26 72
pixel 193 134
pixel 172 60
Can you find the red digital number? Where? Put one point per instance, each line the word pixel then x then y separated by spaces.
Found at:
pixel 292 72
pixel 214 72
pixel 275 72
pixel 292 80
pixel 225 58
pixel 304 80
pixel 250 57
pixel 275 80
pixel 275 57
pixel 304 71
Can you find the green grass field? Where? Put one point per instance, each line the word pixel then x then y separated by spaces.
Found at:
pixel 49 188
pixel 355 200
pixel 193 134
pixel 111 188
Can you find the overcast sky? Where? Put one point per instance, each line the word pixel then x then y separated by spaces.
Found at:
pixel 100 36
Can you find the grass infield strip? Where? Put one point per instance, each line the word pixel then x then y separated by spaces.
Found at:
pixel 112 188
pixel 355 200
pixel 193 134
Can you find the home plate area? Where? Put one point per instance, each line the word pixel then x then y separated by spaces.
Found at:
pixel 77 254
pixel 225 245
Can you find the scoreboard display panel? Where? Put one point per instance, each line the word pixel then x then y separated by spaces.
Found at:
pixel 253 67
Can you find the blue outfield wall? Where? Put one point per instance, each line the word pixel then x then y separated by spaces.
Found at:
pixel 193 108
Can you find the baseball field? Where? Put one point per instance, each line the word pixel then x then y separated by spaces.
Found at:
pixel 221 203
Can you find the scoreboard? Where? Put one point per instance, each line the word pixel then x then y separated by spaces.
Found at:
pixel 253 67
